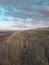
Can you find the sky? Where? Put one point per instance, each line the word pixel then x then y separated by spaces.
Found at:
pixel 13 14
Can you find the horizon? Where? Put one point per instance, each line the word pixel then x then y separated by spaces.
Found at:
pixel 21 29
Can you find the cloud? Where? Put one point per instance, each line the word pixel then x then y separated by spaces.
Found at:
pixel 35 13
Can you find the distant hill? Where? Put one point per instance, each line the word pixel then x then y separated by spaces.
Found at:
pixel 4 31
pixel 28 47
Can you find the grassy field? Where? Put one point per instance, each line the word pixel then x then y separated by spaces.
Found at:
pixel 30 47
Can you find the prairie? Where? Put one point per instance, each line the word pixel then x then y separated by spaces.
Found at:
pixel 30 47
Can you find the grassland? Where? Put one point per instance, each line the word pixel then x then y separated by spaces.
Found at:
pixel 29 47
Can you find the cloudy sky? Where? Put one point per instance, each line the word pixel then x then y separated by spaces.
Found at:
pixel 13 14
